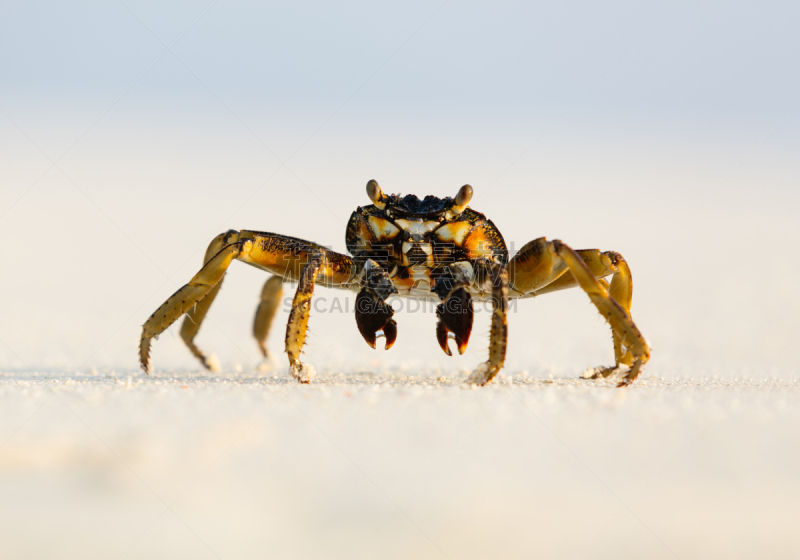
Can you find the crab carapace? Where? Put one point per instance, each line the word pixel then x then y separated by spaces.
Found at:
pixel 410 247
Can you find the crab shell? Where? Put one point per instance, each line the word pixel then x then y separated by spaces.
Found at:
pixel 414 239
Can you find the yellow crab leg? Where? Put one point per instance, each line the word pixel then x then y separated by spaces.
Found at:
pixel 194 318
pixel 535 266
pixel 285 257
pixel 498 334
pixel 600 264
pixel 265 313
pixel 621 289
pixel 186 297
pixel 613 312
pixel 541 267
pixel 298 320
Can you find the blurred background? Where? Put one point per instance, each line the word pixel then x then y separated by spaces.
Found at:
pixel 131 133
pixel 134 132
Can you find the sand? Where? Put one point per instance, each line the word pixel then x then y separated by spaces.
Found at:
pixel 391 465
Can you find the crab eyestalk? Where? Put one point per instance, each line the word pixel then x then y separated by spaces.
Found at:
pixel 462 199
pixel 375 194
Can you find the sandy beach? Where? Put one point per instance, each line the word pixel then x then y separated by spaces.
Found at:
pixel 391 465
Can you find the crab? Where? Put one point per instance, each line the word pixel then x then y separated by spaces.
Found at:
pixel 410 247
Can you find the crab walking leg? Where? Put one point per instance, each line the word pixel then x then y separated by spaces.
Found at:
pixel 601 264
pixel 537 269
pixel 298 320
pixel 613 312
pixel 265 312
pixel 194 318
pixel 283 256
pixel 535 266
pixel 185 298
pixel 498 335
pixel 621 289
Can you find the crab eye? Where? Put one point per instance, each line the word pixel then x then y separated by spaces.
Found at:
pixel 464 196
pixel 374 193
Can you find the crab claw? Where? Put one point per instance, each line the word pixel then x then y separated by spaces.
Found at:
pixel 455 317
pixel 390 332
pixel 373 315
pixel 441 335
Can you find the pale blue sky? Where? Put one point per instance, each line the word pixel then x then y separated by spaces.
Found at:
pixel 731 63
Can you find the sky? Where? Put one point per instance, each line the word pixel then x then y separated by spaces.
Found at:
pixel 132 132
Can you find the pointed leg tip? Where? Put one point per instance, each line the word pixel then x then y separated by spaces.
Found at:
pixel 144 354
pixel 604 372
pixel 624 383
pixel 629 373
pixel 633 373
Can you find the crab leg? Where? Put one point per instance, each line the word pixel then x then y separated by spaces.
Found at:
pixel 498 334
pixel 602 264
pixel 543 266
pixel 185 298
pixel 298 320
pixel 265 313
pixel 621 289
pixel 194 318
pixel 286 257
pixel 536 269
pixel 624 329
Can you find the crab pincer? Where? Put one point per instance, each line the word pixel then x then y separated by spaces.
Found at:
pixel 373 315
pixel 455 317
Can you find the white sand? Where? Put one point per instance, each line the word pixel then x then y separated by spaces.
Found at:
pixel 101 465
